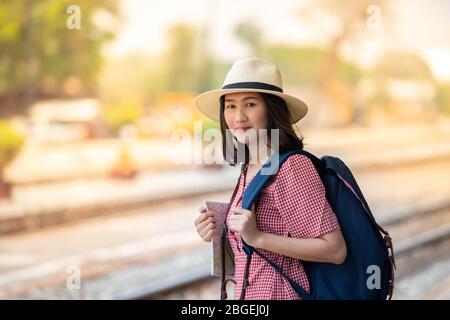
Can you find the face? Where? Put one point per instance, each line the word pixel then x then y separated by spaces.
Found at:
pixel 245 113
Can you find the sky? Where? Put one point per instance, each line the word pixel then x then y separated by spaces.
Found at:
pixel 418 25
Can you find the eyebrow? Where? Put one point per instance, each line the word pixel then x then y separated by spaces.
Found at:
pixel 246 98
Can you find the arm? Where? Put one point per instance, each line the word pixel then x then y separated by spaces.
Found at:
pixel 328 248
pixel 311 222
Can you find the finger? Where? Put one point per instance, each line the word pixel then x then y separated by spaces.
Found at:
pixel 208 228
pixel 209 235
pixel 235 228
pixel 202 209
pixel 242 212
pixel 239 224
pixel 238 211
pixel 207 222
pixel 203 217
pixel 236 224
pixel 237 218
pixel 205 230
pixel 199 220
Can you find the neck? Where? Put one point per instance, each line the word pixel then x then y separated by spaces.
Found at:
pixel 258 157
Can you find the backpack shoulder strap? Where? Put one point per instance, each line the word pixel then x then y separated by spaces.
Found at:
pixel 251 194
pixel 267 171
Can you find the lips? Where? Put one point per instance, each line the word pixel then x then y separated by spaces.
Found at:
pixel 244 129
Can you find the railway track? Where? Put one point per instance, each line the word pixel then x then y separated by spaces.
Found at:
pixel 129 197
pixel 411 253
pixel 165 260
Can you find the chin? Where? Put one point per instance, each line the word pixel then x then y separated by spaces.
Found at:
pixel 244 140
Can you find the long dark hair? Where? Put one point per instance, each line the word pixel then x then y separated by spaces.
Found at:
pixel 278 116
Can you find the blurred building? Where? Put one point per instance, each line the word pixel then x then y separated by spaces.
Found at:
pixel 65 120
pixel 412 98
pixel 398 99
pixel 171 111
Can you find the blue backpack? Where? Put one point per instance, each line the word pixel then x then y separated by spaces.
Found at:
pixel 368 270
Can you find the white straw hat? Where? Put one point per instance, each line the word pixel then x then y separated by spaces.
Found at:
pixel 250 75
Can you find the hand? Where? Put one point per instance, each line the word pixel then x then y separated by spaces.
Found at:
pixel 205 224
pixel 244 222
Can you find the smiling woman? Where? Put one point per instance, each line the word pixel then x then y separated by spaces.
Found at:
pixel 256 111
pixel 243 111
pixel 292 219
pixel 252 97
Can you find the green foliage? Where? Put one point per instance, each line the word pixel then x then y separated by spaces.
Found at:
pixel 210 124
pixel 136 77
pixel 180 64
pixel 144 78
pixel 443 97
pixel 39 52
pixel 118 114
pixel 348 72
pixel 301 65
pixel 10 143
pixel 251 34
pixel 403 66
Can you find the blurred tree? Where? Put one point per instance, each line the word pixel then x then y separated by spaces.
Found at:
pixel 394 73
pixel 251 35
pixel 205 72
pixel 180 58
pixel 189 63
pixel 138 77
pixel 10 144
pixel 205 59
pixel 300 65
pixel 341 23
pixel 403 65
pixel 41 57
pixel 346 21
pixel 443 97
pixel 119 114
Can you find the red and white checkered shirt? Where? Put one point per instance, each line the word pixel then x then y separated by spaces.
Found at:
pixel 293 204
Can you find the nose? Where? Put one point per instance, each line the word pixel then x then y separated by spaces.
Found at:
pixel 240 115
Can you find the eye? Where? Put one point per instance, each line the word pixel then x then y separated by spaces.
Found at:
pixel 229 106
pixel 250 104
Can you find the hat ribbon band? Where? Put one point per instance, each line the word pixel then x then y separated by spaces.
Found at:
pixel 252 85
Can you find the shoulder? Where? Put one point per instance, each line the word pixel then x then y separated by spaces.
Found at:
pixel 295 165
pixel 297 172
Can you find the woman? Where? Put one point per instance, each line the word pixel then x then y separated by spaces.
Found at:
pixel 292 220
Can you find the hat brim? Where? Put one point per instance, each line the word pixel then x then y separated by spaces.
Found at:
pixel 209 102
